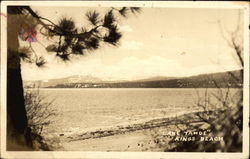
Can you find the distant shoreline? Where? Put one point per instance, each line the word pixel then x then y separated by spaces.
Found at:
pixel 215 80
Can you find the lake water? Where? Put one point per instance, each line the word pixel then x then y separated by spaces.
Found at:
pixel 80 109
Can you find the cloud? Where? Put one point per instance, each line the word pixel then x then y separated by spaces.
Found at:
pixel 131 45
pixel 132 67
pixel 211 68
pixel 128 68
pixel 126 28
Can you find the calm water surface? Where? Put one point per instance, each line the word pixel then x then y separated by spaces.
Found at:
pixel 85 108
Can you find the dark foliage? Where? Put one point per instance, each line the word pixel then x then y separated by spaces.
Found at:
pixel 25 53
pixel 73 40
pixel 16 9
pixel 124 11
pixel 68 40
pixel 93 17
pixel 113 36
pixel 51 48
pixel 64 56
pixel 135 10
pixel 66 25
pixel 40 61
pixel 62 48
pixel 78 49
pixel 92 43
pixel 109 19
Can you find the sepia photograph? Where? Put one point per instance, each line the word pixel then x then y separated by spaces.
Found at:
pixel 118 77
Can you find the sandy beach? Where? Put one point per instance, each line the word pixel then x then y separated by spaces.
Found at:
pixel 144 136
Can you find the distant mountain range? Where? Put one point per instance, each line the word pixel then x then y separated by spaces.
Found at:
pixel 66 80
pixel 222 79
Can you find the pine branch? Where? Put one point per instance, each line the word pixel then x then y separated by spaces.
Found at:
pixel 93 17
pixel 72 41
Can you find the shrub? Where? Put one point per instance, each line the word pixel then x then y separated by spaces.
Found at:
pixel 39 114
pixel 225 122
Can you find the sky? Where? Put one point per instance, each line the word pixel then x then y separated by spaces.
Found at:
pixel 172 42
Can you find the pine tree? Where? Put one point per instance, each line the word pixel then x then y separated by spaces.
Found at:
pixel 23 22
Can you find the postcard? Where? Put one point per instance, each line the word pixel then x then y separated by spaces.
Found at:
pixel 124 79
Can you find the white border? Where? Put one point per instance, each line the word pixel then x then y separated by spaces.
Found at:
pixel 246 86
pixel 146 155
pixel 164 4
pixel 3 80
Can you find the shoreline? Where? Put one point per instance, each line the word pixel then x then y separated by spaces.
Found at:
pixel 143 136
pixel 153 135
pixel 97 132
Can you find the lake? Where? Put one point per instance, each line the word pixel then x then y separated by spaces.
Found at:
pixel 89 108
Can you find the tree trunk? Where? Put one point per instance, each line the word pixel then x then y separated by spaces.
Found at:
pixel 16 112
